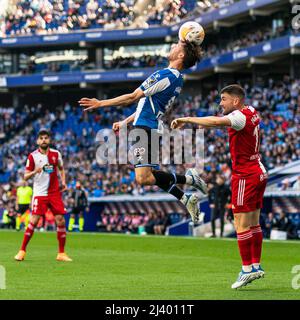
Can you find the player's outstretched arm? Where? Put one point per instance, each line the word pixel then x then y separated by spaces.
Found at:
pixel 205 122
pixel 123 100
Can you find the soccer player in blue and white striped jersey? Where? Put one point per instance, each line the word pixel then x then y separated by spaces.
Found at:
pixel 155 96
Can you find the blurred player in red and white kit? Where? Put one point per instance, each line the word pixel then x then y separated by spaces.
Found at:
pixel 43 166
pixel 249 177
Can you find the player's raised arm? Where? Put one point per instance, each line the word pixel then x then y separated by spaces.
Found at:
pixel 205 122
pixel 123 100
pixel 117 125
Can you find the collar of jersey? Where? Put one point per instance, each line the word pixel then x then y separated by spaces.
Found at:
pixel 45 154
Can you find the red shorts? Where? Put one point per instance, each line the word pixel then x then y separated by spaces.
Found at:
pixel 40 204
pixel 248 192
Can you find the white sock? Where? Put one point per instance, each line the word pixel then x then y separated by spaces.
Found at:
pixel 247 268
pixel 189 180
pixel 256 265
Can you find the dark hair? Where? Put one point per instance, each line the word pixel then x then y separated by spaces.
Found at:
pixel 235 90
pixel 44 131
pixel 192 54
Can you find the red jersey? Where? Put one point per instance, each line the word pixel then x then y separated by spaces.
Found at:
pixel 244 142
pixel 45 183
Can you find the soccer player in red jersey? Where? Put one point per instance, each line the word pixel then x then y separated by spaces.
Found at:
pixel 43 165
pixel 249 177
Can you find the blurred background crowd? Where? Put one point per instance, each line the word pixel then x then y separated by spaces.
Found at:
pixel 24 17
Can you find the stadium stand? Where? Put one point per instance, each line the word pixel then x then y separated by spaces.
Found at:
pixel 51 16
pixel 61 16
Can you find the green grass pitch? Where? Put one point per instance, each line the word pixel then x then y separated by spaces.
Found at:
pixel 126 267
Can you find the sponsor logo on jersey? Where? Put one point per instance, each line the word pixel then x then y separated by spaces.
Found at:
pixel 48 168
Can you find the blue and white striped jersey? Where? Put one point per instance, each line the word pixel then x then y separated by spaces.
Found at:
pixel 160 89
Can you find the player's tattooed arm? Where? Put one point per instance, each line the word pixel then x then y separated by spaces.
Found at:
pixel 204 122
pixel 117 125
pixel 123 100
pixel 29 174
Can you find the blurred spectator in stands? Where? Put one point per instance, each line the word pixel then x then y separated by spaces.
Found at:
pixel 79 206
pixel 283 223
pixel 269 222
pixel 149 227
pixel 219 196
pixel 285 184
pixel 136 220
pixel 296 185
pixel 7 218
pixel 161 223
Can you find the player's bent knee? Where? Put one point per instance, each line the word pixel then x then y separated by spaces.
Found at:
pixel 145 179
pixel 240 229
pixel 241 223
pixel 60 220
pixel 34 219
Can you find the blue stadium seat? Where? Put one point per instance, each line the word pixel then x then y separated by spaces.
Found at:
pixel 97 193
pixel 282 107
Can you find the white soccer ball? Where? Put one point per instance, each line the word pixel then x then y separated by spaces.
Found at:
pixel 191 31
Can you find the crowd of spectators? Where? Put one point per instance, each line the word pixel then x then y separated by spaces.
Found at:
pixel 53 67
pixel 173 11
pixel 282 222
pixel 142 223
pixel 60 16
pixel 167 13
pixel 13 119
pixel 141 62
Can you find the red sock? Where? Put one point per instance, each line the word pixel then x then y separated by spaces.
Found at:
pixel 257 239
pixel 61 237
pixel 244 243
pixel 27 236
